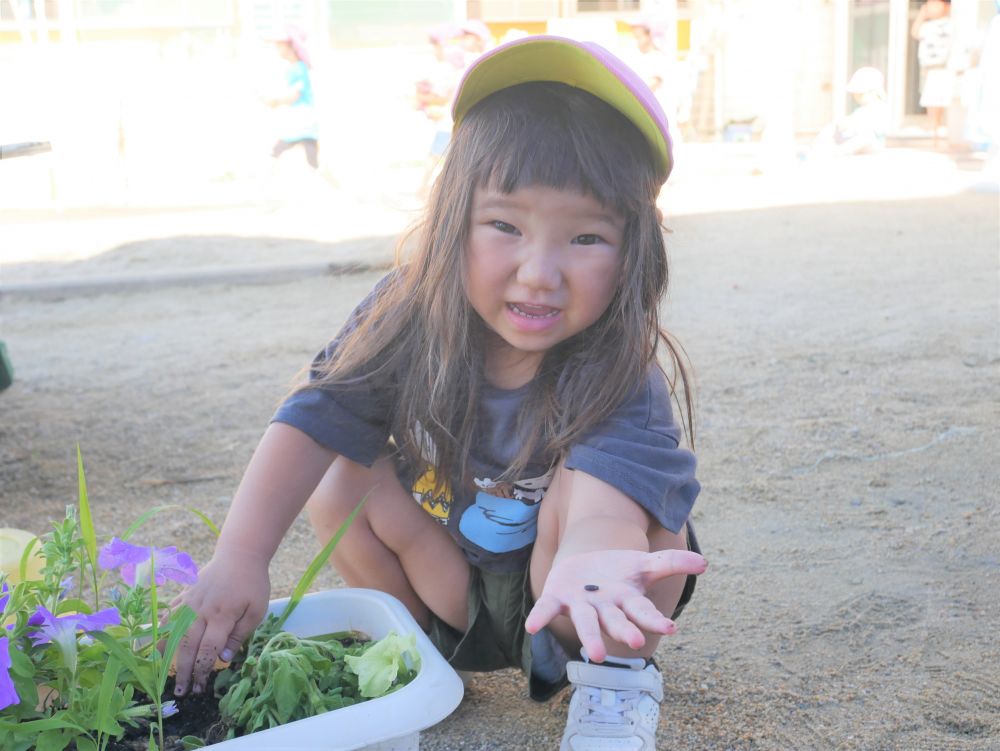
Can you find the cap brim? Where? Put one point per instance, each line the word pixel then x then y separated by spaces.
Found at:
pixel 583 65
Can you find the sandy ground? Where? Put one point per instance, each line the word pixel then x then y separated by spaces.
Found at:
pixel 847 353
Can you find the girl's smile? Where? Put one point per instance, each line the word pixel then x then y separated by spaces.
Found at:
pixel 532 317
pixel 542 265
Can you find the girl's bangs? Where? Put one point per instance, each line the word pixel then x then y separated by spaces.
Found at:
pixel 531 161
pixel 564 139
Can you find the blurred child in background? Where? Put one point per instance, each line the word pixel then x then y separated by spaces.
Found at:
pixel 293 101
pixel 435 91
pixel 863 130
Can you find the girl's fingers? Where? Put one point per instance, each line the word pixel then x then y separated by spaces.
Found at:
pixel 619 627
pixel 214 638
pixel 240 633
pixel 186 651
pixel 664 563
pixel 546 608
pixel 644 614
pixel 588 630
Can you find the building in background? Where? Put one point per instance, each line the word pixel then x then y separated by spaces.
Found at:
pixel 129 89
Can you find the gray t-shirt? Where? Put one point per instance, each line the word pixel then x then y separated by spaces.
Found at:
pixel 494 522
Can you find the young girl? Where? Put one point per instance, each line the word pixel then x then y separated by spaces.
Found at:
pixel 934 31
pixel 863 131
pixel 498 400
pixel 298 124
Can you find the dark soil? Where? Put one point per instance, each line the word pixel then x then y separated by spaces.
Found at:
pixel 198 716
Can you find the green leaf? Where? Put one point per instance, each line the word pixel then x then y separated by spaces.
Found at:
pixel 147 515
pixel 317 564
pixel 378 667
pixel 86 520
pixel 83 743
pixel 141 672
pixel 238 693
pixel 154 607
pixel 73 606
pixel 53 740
pixel 105 719
pixel 180 621
pixel 25 686
pixel 287 691
pixel 40 726
pixel 17 743
pixel 190 742
pixel 25 554
pixel 20 663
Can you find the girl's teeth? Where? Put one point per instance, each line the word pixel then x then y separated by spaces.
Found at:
pixel 521 311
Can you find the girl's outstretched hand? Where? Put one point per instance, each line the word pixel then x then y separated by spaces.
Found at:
pixel 230 598
pixel 619 604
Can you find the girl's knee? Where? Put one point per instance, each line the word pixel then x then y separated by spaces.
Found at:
pixel 389 513
pixel 342 488
pixel 346 482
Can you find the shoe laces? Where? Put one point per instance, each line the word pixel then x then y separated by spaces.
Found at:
pixel 605 706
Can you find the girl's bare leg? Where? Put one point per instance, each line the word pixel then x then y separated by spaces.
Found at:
pixel 937 118
pixel 665 594
pixel 393 545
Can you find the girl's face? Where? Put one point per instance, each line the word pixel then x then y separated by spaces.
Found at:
pixel 542 264
pixel 286 52
pixel 643 39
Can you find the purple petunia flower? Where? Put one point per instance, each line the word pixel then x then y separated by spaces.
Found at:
pixel 8 694
pixel 61 630
pixel 52 628
pixel 134 563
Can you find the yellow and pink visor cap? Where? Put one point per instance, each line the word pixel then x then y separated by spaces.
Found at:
pixel 583 65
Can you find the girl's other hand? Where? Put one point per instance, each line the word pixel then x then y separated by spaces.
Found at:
pixel 619 605
pixel 230 598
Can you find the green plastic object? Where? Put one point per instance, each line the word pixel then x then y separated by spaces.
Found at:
pixel 6 368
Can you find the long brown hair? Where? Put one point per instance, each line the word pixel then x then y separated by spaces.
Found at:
pixel 422 340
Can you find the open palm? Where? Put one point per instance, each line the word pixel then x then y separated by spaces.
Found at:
pixel 619 605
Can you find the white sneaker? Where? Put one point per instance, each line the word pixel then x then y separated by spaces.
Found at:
pixel 613 708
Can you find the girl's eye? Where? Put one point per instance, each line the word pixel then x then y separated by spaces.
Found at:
pixel 509 229
pixel 588 239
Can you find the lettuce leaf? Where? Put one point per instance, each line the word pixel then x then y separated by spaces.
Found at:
pixel 391 661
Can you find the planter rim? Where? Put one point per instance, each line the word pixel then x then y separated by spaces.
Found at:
pixel 426 700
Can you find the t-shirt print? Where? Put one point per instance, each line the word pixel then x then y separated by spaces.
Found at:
pixel 502 516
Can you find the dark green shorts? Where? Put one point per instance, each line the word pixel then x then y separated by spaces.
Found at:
pixel 498 604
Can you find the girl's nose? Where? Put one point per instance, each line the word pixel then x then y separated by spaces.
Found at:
pixel 539 269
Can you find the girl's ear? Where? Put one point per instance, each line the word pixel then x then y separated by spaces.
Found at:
pixel 659 216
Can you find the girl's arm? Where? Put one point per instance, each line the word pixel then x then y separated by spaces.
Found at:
pixel 290 95
pixel 918 21
pixel 605 542
pixel 233 589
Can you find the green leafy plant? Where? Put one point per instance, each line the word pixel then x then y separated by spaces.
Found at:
pixel 285 678
pixel 279 677
pixel 79 660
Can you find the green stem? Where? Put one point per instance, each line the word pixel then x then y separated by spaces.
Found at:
pixel 155 618
pixel 81 568
pixel 272 643
pixel 97 590
pixel 70 690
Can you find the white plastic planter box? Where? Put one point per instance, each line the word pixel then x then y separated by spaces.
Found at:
pixel 389 723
